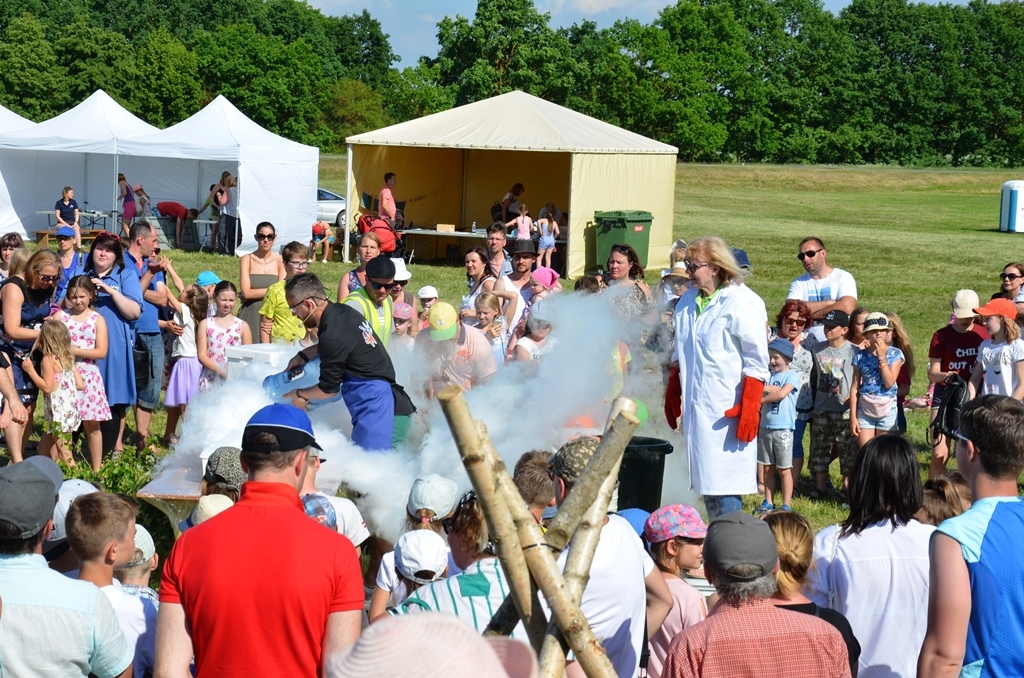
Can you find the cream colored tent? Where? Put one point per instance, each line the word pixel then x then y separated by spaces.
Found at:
pixel 453 166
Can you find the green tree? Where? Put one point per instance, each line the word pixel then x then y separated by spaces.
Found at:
pixel 32 82
pixel 352 108
pixel 274 83
pixel 361 48
pixel 414 92
pixel 169 77
pixel 96 58
pixel 507 46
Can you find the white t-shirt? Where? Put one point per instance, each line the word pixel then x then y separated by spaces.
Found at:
pixel 881 583
pixel 997 361
pixel 350 521
pixel 615 600
pixel 185 345
pixel 832 287
pixel 137 617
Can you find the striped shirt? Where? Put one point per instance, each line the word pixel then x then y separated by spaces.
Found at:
pixel 474 596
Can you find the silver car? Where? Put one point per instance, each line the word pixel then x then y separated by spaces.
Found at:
pixel 330 207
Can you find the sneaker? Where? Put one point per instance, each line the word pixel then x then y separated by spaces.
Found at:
pixel 786 507
pixel 764 508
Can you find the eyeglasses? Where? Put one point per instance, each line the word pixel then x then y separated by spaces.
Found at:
pixel 266 236
pixel 383 286
pixel 692 267
pixel 316 300
pixel 49 278
pixel 799 322
pixel 809 254
pixel 298 264
pixel 1004 276
pixel 960 436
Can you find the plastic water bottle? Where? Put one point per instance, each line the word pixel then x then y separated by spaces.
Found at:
pixel 276 385
pixel 474 227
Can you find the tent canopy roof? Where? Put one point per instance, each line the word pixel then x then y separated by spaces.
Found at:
pixel 9 120
pixel 218 132
pixel 515 121
pixel 93 126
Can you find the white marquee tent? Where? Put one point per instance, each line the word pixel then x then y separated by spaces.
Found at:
pixel 277 177
pixel 76 148
pixel 9 120
pixel 88 145
pixel 452 166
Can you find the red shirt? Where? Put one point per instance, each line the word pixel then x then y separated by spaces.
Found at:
pixel 757 639
pixel 957 351
pixel 257 583
pixel 172 209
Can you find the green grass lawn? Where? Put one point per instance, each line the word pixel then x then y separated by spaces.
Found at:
pixel 911 238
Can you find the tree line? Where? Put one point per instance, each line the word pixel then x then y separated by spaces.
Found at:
pixel 885 81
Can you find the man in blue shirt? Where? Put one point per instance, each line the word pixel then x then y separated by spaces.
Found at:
pixel 976 591
pixel 141 258
pixel 52 625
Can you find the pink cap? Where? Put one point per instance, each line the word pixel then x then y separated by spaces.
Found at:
pixel 402 311
pixel 137 187
pixel 546 276
pixel 674 520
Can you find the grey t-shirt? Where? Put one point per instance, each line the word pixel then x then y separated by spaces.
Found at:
pixel 834 368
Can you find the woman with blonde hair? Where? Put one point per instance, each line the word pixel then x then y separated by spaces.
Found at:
pixel 901 340
pixel 722 344
pixel 794 538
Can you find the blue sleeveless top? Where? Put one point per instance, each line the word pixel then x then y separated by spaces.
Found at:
pixel 990 534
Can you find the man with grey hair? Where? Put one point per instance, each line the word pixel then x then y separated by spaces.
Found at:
pixel 745 634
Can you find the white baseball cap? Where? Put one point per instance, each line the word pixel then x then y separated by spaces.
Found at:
pixel 421 551
pixel 143 543
pixel 433 492
pixel 964 303
pixel 428 292
pixel 70 490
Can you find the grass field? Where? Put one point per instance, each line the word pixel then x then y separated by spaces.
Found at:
pixel 911 238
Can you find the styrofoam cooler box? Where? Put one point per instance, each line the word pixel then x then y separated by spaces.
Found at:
pixel 1011 207
pixel 274 357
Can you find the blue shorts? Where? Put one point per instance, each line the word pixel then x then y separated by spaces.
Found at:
pixel 886 423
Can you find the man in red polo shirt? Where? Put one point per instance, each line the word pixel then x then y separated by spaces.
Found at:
pixel 260 589
pixel 180 214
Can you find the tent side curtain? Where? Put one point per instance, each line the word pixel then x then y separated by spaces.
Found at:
pixel 604 182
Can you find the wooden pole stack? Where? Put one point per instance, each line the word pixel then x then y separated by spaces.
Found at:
pixel 527 555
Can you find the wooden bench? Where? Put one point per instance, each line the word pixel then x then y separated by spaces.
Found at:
pixel 43 237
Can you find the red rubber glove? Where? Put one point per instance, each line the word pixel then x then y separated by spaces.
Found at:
pixel 673 398
pixel 748 409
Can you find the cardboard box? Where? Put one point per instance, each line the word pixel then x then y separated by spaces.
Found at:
pixel 446 228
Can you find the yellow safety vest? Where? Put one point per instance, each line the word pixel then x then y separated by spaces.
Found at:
pixel 381 325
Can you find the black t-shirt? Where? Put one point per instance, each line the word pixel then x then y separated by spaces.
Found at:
pixel 349 347
pixel 67 212
pixel 837 620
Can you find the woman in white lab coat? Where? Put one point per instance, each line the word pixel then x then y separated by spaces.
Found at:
pixel 722 344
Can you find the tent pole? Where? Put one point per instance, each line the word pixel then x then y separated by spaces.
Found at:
pixel 569 223
pixel 349 185
pixel 117 169
pixel 462 215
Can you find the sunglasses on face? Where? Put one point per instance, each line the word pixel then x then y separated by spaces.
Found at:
pixel 266 236
pixel 49 278
pixel 809 254
pixel 383 286
pixel 692 267
pixel 799 322
pixel 316 300
pixel 1009 276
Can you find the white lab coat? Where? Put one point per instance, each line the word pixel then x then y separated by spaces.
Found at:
pixel 716 349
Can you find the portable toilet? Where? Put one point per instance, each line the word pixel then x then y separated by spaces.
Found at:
pixel 1011 207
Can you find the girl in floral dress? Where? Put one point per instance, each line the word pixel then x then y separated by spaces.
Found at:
pixel 215 334
pixel 88 344
pixel 60 382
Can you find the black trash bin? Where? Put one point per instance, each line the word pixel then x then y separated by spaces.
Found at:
pixel 642 472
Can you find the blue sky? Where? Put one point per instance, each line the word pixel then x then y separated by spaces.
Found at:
pixel 412 24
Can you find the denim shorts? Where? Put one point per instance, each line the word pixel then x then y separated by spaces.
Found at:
pixel 886 423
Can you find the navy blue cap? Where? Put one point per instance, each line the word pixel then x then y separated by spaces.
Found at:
pixel 288 423
pixel 783 346
pixel 741 258
pixel 65 232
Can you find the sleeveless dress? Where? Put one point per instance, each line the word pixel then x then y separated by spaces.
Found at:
pixel 34 310
pixel 217 342
pixel 250 311
pixel 184 381
pixel 353 282
pixel 523 225
pixel 92 402
pixel 128 205
pixel 62 418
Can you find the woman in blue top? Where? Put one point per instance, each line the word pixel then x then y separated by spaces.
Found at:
pixel 873 388
pixel 119 301
pixel 66 208
pixel 26 304
pixel 72 261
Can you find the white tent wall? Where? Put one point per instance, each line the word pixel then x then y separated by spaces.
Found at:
pixel 283 194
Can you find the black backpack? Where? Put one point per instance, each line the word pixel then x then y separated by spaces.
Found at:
pixel 948 416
